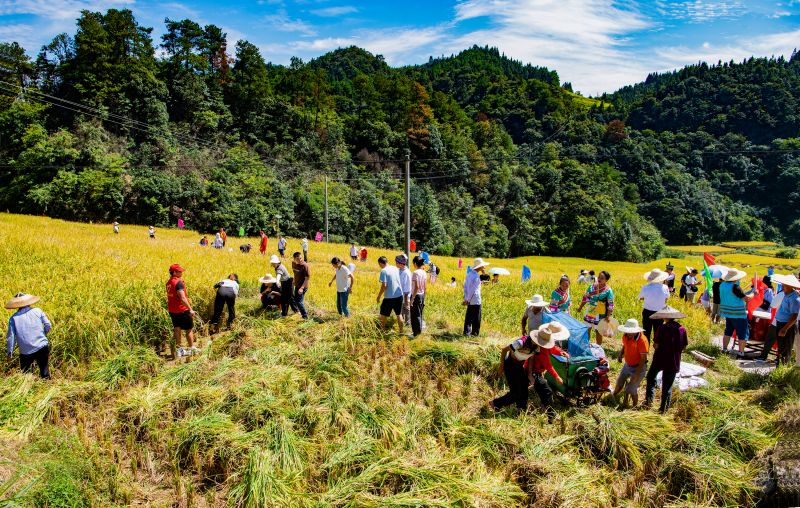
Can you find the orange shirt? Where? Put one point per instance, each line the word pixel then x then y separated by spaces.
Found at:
pixel 634 349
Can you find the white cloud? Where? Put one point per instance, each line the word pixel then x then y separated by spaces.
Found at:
pixel 332 12
pixel 58 9
pixel 701 11
pixel 283 23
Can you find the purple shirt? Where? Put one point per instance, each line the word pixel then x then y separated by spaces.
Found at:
pixel 670 341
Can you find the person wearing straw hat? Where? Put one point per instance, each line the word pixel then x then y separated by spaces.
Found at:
pixel 559 299
pixel 180 309
pixel 534 312
pixel 599 303
pixel 582 278
pixel 669 342
pixel 544 340
pixel 269 292
pixel 634 357
pixel 654 294
pixel 28 328
pixel 783 328
pixel 512 365
pixel 227 292
pixel 670 280
pixel 344 285
pixel 733 307
pixel 285 283
pixel 472 297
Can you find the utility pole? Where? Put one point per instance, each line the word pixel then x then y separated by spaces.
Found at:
pixel 326 209
pixel 407 248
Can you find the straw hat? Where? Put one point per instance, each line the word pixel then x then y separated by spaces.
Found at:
pixel 537 301
pixel 268 279
pixel 479 263
pixel 21 300
pixel 655 276
pixel 584 272
pixel 630 326
pixel 689 269
pixel 547 334
pixel 734 275
pixel 274 259
pixel 786 280
pixel 607 328
pixel 668 313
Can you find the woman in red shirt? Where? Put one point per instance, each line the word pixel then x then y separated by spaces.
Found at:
pixel 545 339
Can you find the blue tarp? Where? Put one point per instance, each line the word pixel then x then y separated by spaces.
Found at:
pixel 578 344
pixel 526 273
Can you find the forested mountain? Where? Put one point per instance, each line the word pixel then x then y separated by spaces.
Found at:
pixel 506 160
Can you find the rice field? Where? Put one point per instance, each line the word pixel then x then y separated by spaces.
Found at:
pixel 754 243
pixel 700 249
pixel 755 262
pixel 333 412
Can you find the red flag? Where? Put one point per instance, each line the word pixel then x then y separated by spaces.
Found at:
pixel 709 259
pixel 758 297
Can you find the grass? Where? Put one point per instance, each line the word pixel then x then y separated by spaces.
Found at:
pixel 334 412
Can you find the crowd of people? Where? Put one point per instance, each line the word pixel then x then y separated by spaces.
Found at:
pixel 525 361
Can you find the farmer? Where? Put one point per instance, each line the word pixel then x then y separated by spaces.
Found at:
pixel 180 309
pixel 204 241
pixel 654 294
pixel 472 297
pixel 302 277
pixel 634 353
pixel 285 282
pixel 599 302
pixel 245 249
pixel 224 236
pixel 28 328
pixel 282 247
pixel 582 278
pixel 512 365
pixel 304 245
pixel 363 254
pixel 433 270
pixel 391 292
pixel 269 291
pixel 418 286
pixel 785 318
pixel 670 280
pixel 218 242
pixel 452 283
pixel 669 342
pixel 227 291
pixel 344 286
pixel 262 247
pixel 495 278
pixel 353 252
pixel 181 224
pixel 116 227
pixel 151 231
pixel 733 307
pixel 544 341
pixel 401 262
pixel 534 312
pixel 559 299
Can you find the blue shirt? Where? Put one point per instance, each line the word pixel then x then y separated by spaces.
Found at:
pixel 28 327
pixel 472 288
pixel 789 307
pixel 391 277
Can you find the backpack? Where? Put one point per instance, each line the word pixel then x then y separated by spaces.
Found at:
pixel 438 270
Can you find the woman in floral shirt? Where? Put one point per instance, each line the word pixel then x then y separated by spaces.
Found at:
pixel 599 302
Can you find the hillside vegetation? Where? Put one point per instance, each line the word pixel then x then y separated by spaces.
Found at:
pixel 331 412
pixel 506 159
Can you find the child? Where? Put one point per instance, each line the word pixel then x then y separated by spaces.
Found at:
pixel 634 352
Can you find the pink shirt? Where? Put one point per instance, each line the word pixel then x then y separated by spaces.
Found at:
pixel 420 279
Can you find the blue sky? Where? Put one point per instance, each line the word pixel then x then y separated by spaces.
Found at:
pixel 598 45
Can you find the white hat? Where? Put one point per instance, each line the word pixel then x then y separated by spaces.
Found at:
pixel 268 279
pixel 21 300
pixel 630 326
pixel 537 301
pixel 734 275
pixel 479 263
pixel 689 269
pixel 547 334
pixel 274 259
pixel 584 272
pixel 786 280
pixel 655 276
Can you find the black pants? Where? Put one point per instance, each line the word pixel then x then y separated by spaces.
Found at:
pixel 472 320
pixel 225 296
pixel 287 297
pixel 41 358
pixel 650 325
pixel 417 308
pixel 667 379
pixel 785 343
pixel 517 381
pixel 305 256
pixel 545 394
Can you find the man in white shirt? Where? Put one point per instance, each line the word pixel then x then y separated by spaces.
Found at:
pixel 401 262
pixel 344 286
pixel 654 294
pixel 472 298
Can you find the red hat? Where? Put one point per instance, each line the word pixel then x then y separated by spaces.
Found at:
pixel 176 268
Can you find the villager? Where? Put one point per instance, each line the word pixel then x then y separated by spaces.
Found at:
pixel 116 227
pixel 151 231
pixel 401 262
pixel 654 294
pixel 344 286
pixel 472 297
pixel 560 300
pixel 218 243
pixel 180 311
pixel 391 292
pixel 634 358
pixel 227 292
pixel 282 247
pixel 302 278
pixel 582 278
pixel 304 245
pixel 28 328
pixel 599 302
pixel 534 312
pixel 669 342
pixel 733 307
pixel 418 288
pixel 269 292
pixel 262 247
pixel 784 330
pixel 286 283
